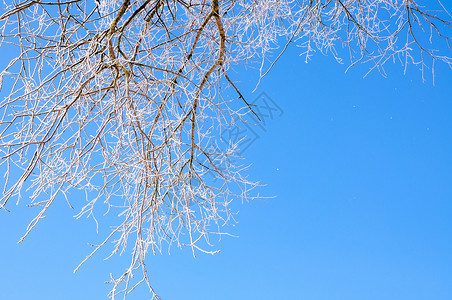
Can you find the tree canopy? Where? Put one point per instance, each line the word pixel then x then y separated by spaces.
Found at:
pixel 126 100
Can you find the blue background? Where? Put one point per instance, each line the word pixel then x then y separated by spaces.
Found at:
pixel 362 171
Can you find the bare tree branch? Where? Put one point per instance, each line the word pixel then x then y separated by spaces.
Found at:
pixel 126 100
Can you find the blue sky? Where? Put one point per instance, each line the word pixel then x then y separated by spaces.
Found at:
pixel 361 169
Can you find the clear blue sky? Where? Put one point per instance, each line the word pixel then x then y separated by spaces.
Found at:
pixel 362 171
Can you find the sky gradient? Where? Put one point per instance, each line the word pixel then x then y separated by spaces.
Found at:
pixel 361 171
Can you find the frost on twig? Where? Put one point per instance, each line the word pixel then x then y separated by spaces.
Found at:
pixel 125 101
